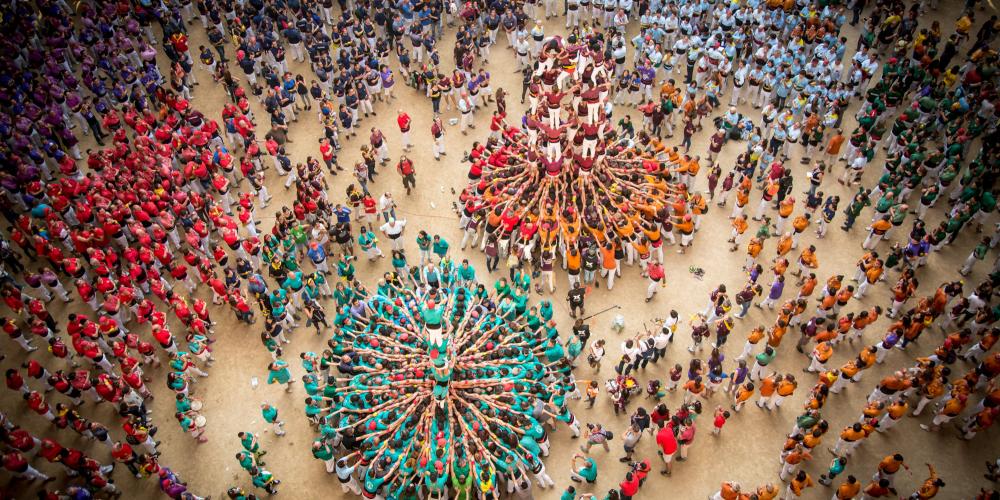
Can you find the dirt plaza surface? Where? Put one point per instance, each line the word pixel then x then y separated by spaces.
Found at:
pixel 748 448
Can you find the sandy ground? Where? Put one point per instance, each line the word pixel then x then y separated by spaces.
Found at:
pixel 748 449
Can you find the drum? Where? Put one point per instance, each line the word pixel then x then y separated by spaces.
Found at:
pixel 200 421
pixel 196 405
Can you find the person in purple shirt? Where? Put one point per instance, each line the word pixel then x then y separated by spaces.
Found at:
pixel 777 286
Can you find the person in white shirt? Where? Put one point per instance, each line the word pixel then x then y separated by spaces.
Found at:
pixel 393 229
pixel 739 80
pixel 387 205
pixel 466 107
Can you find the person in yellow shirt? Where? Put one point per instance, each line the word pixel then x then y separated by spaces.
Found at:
pixel 963 25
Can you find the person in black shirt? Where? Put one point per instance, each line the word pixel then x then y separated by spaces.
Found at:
pixel 582 331
pixel 575 297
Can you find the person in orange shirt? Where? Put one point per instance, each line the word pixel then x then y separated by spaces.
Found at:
pixel 951 408
pixel 878 489
pixel 698 208
pixel 728 491
pixel 930 487
pixel 785 209
pixel 833 284
pixel 742 198
pixel 692 389
pixel 872 273
pixel 686 227
pixel 861 321
pixel 609 264
pixel 979 349
pixel 784 388
pixel 877 233
pixel 743 394
pixel 753 338
pixel 893 414
pixel 767 492
pixel 888 468
pixel 792 461
pixel 807 260
pixel 849 439
pixel 784 244
pixel 799 225
pixel 825 307
pixel 739 227
pixel 979 421
pixel 843 297
pixel 848 489
pixel 807 286
pixel 798 485
pixel 767 387
pixel 753 250
pixel 833 145
pixel 776 333
pixel 820 355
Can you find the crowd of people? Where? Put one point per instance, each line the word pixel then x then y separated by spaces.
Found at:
pixel 444 385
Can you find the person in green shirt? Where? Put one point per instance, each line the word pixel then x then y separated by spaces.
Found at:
pixel 264 480
pixel 369 244
pixel 322 450
pixel 440 247
pixel 250 444
pixel 978 253
pixel 424 245
pixel 760 370
pixel 584 469
pixel 345 269
pixel 466 273
pixel 502 288
pixel 246 460
pixel 270 415
pixel 569 494
pixel 278 373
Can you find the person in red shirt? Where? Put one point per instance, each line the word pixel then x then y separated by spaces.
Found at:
pixel 628 487
pixel 656 274
pixel 404 121
pixel 18 465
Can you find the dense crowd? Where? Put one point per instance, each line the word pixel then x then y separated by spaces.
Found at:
pixel 447 386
